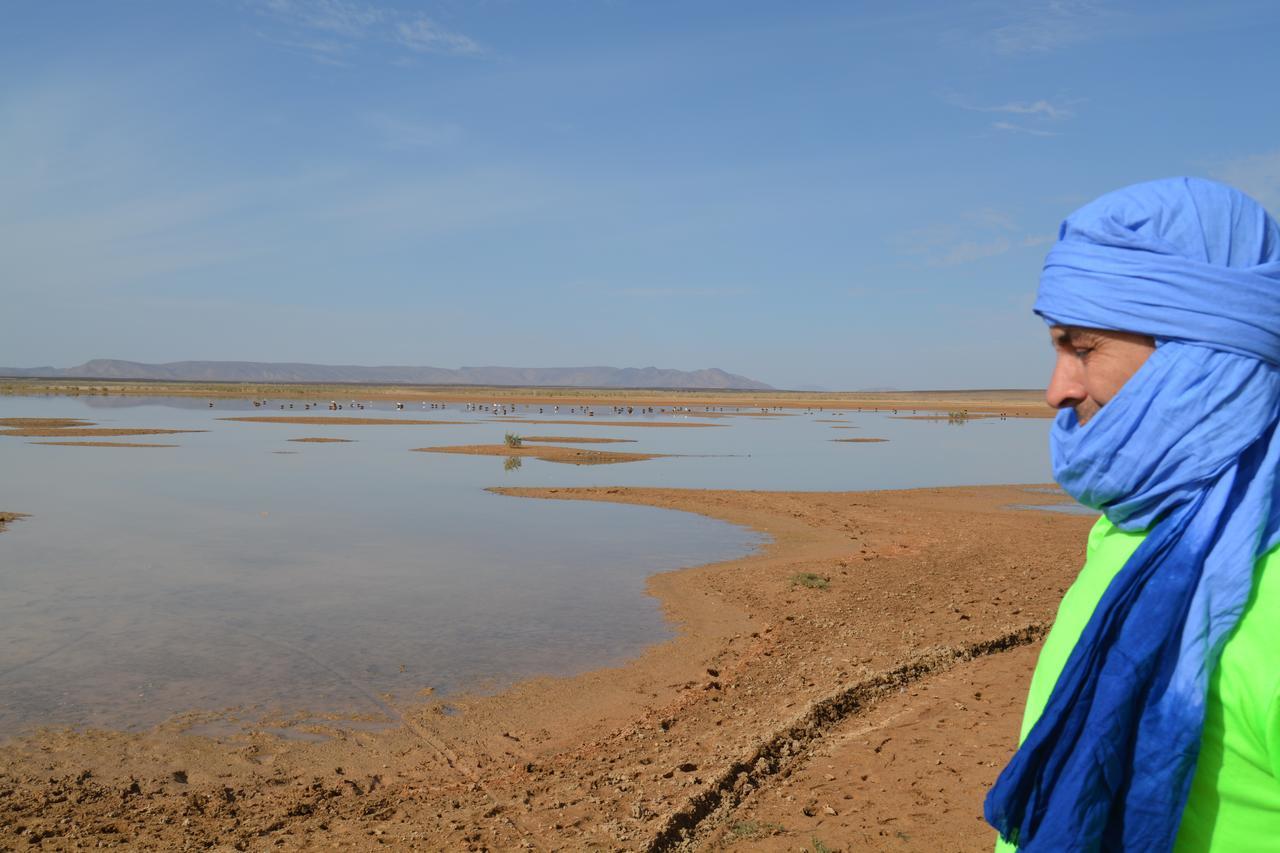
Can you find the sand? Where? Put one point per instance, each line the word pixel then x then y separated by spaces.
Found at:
pixel 100 444
pixel 6 517
pixel 859 440
pixel 567 455
pixel 321 420
pixel 576 439
pixel 892 697
pixel 324 440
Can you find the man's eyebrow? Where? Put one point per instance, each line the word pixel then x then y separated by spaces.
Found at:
pixel 1074 335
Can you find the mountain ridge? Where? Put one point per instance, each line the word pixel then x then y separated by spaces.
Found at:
pixel 595 376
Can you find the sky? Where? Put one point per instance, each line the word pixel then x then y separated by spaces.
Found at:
pixel 846 195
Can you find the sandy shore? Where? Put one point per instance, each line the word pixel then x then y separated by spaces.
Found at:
pixel 859 440
pixel 857 682
pixel 1019 403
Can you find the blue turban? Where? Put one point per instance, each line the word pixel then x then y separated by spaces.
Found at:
pixel 1189 450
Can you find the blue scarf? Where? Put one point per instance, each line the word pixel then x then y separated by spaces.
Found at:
pixel 1189 450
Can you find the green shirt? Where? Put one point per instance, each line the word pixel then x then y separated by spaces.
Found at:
pixel 1234 803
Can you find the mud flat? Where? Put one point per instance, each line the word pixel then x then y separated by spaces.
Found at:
pixel 857 681
pixel 567 455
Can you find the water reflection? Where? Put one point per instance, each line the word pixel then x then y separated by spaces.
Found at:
pixel 244 570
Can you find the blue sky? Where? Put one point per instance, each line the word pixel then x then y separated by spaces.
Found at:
pixel 841 194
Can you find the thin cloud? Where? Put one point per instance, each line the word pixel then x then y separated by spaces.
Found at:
pixel 1048 25
pixel 422 35
pixel 340 17
pixel 1040 108
pixel 980 234
pixel 334 31
pixel 1018 128
pixel 1034 118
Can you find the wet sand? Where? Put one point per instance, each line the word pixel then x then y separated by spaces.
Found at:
pixel 567 455
pixel 889 694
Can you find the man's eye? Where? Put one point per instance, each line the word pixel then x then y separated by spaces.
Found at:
pixel 1083 352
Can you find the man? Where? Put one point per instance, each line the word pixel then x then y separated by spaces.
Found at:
pixel 1153 719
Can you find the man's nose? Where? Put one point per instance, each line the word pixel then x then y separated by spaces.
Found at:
pixel 1066 385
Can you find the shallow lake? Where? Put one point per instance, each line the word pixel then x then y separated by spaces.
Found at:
pixel 242 570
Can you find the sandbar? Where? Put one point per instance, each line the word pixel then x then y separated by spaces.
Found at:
pixel 86 432
pixel 43 423
pixel 313 440
pixel 577 439
pixel 859 440
pixel 891 697
pixel 99 444
pixel 567 455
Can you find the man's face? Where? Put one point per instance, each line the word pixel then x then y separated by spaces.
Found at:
pixel 1092 366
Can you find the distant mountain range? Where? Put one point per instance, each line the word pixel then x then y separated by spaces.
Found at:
pixel 268 372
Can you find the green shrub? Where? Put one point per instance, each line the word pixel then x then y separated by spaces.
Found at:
pixel 810 580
